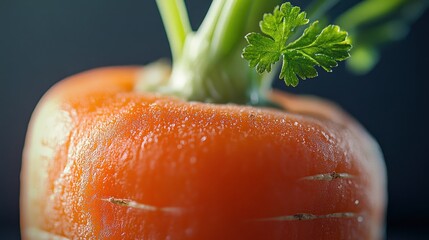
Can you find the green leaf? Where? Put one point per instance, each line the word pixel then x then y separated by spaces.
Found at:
pixel 315 47
pixel 282 22
pixel 261 52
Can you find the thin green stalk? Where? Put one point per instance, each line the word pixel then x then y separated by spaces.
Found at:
pixel 209 23
pixel 374 23
pixel 238 17
pixel 366 12
pixel 230 27
pixel 218 74
pixel 176 22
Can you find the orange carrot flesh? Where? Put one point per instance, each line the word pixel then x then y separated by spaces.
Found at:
pixel 104 162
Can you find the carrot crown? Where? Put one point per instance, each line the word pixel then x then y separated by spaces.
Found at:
pixel 212 63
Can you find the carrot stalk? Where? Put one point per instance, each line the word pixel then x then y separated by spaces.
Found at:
pixel 176 22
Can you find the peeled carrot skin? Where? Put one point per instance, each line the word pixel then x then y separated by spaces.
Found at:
pixel 206 171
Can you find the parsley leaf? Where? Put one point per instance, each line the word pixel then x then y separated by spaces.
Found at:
pixel 315 47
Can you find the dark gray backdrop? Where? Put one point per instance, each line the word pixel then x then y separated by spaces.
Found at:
pixel 44 41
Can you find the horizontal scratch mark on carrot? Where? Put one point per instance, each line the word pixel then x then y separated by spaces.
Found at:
pixel 328 176
pixel 308 216
pixel 137 205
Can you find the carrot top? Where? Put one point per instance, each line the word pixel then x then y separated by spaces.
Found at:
pixel 209 65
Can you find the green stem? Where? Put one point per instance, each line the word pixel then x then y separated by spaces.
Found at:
pixel 209 23
pixel 176 22
pixel 210 67
pixel 375 23
pixel 230 27
pixel 366 12
pixel 237 18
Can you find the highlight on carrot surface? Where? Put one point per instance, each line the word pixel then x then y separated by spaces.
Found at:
pixel 205 148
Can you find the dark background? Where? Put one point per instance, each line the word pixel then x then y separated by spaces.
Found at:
pixel 44 41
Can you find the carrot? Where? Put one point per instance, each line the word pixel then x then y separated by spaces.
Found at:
pixel 120 153
pixel 111 163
